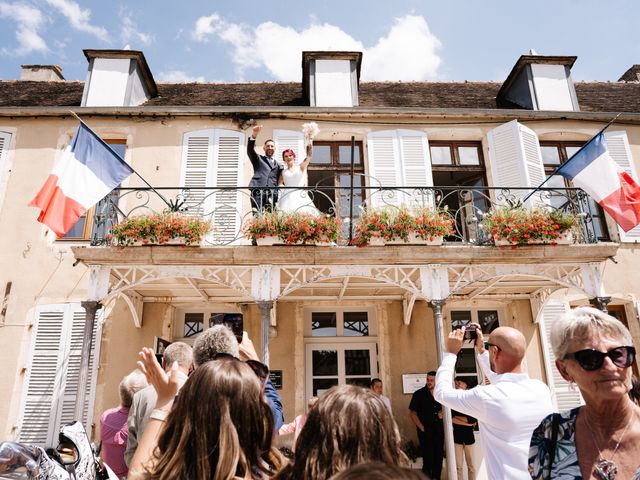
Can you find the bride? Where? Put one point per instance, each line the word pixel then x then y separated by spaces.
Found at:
pixel 295 175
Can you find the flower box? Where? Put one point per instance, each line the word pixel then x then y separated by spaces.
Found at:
pixel 267 241
pixel 402 225
pixel 168 228
pixel 376 242
pixel 516 226
pixel 293 228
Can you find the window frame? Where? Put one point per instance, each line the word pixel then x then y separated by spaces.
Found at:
pixel 335 169
pixel 561 147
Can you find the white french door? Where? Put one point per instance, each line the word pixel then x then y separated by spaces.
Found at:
pixel 339 363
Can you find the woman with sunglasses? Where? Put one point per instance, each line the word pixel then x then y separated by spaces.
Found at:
pixel 601 439
pixel 219 427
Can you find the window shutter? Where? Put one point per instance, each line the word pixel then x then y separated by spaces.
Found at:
pixel 5 141
pixel 618 146
pixel 416 161
pixel 564 396
pixel 384 167
pixel 71 365
pixel 226 205
pixel 289 139
pixel 43 376
pixel 52 375
pixel 516 160
pixel 196 151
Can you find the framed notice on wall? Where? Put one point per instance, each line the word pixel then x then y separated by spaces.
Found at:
pixel 413 381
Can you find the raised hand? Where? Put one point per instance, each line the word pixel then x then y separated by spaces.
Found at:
pixel 255 131
pixel 166 386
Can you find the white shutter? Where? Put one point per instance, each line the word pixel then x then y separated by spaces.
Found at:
pixel 43 376
pixel 416 166
pixel 71 365
pixel 516 159
pixel 52 374
pixel 564 396
pixel 384 167
pixel 196 152
pixel 226 205
pixel 5 141
pixel 289 139
pixel 618 146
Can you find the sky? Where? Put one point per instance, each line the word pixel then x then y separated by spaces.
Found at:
pixel 254 41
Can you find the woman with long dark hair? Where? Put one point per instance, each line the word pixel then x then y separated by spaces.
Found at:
pixel 220 426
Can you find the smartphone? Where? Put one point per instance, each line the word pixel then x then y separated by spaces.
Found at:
pixel 232 321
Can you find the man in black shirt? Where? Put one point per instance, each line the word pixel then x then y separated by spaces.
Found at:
pixel 426 414
pixel 463 437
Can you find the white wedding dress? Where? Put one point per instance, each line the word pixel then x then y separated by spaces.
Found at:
pixel 292 200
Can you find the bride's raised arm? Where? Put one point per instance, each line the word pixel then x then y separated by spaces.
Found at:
pixel 307 160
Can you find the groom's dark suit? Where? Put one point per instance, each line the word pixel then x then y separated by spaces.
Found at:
pixel 265 174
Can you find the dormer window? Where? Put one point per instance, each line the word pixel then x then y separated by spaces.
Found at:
pixel 331 79
pixel 117 78
pixel 539 82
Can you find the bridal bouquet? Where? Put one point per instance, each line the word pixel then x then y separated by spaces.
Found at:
pixel 310 130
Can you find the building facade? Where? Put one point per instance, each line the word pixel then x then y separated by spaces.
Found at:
pixel 321 315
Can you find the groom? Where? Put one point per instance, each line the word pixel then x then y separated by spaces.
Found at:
pixel 266 172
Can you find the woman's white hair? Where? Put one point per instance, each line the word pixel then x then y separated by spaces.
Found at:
pixel 582 323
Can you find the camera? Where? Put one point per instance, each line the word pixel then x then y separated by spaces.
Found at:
pixel 470 332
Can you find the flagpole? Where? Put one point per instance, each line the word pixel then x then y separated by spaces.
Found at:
pixel 565 163
pixel 167 202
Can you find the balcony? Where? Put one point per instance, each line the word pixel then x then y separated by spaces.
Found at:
pixel 228 209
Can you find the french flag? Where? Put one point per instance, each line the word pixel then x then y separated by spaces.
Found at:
pixel 593 170
pixel 88 170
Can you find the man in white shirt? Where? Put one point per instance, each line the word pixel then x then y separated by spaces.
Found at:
pixel 508 410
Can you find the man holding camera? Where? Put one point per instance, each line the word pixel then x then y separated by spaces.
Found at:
pixel 508 409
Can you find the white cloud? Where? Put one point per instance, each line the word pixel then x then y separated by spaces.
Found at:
pixel 130 31
pixel 178 76
pixel 79 18
pixel 205 26
pixel 28 20
pixel 408 52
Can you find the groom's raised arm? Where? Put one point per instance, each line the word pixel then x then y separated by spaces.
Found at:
pixel 251 146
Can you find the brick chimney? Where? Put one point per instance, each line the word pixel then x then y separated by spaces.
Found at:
pixel 41 73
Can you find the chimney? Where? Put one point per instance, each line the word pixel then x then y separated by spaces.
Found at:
pixel 41 73
pixel 539 82
pixel 331 79
pixel 117 78
pixel 631 75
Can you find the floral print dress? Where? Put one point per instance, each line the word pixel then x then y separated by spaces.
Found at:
pixel 565 465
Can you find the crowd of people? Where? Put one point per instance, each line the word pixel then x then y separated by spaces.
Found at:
pixel 211 412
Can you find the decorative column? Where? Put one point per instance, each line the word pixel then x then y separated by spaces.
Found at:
pixel 436 306
pixel 265 323
pixel 90 309
pixel 600 303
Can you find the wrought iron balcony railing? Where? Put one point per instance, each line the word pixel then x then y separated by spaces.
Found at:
pixel 229 208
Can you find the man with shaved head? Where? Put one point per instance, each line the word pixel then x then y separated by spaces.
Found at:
pixel 508 409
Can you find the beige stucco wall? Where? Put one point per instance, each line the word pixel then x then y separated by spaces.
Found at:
pixel 42 272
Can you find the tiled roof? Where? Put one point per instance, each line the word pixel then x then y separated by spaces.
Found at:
pixel 592 96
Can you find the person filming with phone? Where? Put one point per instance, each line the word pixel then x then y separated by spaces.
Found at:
pixel 508 409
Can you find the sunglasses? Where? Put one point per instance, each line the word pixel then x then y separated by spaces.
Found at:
pixel 488 344
pixel 592 360
pixel 260 369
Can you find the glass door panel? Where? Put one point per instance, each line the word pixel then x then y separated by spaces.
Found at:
pixel 329 364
